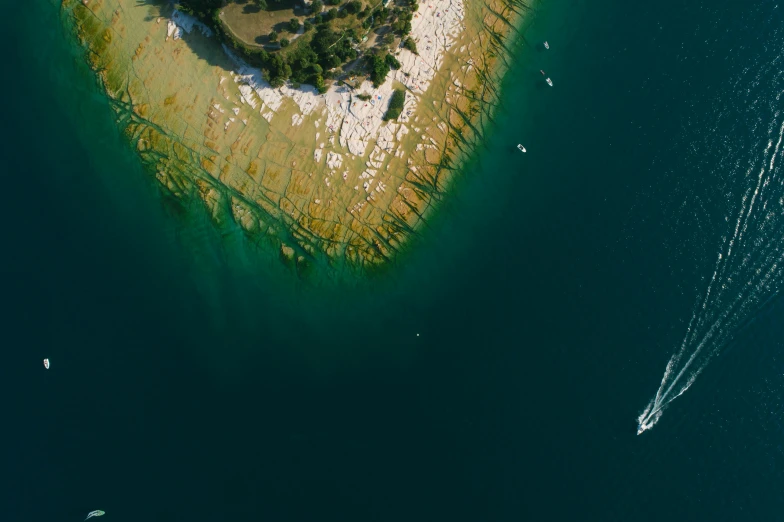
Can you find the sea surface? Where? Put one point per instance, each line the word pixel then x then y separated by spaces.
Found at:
pixel 496 374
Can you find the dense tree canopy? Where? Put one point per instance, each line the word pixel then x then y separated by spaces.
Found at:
pixel 353 7
pixel 311 59
pixel 379 69
pixel 200 8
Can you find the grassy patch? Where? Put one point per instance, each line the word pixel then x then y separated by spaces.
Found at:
pixel 253 25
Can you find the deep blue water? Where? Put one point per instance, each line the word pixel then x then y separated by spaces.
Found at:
pixel 548 296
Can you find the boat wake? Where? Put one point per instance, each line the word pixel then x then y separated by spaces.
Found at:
pixel 746 275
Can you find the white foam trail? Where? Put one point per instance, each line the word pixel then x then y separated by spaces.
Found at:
pixel 778 145
pixel 652 413
pixel 707 333
pixel 756 192
pixel 740 301
pixel 765 169
pixel 667 371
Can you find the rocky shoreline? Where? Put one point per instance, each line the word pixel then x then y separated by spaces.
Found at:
pixel 322 181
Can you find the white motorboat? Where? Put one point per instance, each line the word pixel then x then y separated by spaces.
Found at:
pixel 520 148
pixel 46 363
pixel 546 45
pixel 549 82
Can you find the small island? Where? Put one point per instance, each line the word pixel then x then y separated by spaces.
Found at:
pixel 326 131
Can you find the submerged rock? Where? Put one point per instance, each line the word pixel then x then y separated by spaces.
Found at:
pixel 215 133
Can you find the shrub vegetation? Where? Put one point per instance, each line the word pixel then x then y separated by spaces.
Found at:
pixel 320 54
pixel 395 104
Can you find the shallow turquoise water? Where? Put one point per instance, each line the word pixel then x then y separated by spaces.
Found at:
pixel 548 296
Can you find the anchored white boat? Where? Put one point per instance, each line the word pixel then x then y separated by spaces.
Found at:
pixel 549 82
pixel 546 45
pixel 46 363
pixel 520 148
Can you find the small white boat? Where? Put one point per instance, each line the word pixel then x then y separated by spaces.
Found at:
pixel 549 82
pixel 96 513
pixel 46 363
pixel 520 148
pixel 546 45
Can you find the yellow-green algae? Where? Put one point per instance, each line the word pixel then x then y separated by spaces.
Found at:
pixel 262 175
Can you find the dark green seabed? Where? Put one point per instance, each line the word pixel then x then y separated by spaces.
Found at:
pixel 494 375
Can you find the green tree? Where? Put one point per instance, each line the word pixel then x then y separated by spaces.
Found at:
pixel 293 25
pixel 317 6
pixel 273 36
pixel 319 84
pixel 392 62
pixel 284 42
pixel 395 104
pixel 378 69
pixel 262 4
pixel 353 7
pixel 332 61
pixel 202 9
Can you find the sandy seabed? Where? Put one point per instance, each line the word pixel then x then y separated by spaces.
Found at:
pixel 323 179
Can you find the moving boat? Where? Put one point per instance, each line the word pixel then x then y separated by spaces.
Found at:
pixel 546 45
pixel 96 513
pixel 549 82
pixel 46 363
pixel 520 148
